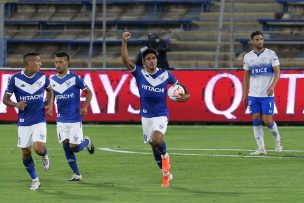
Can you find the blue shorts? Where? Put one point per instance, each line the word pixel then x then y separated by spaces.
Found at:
pixel 262 105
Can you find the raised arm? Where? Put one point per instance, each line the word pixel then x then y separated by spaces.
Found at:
pixel 124 51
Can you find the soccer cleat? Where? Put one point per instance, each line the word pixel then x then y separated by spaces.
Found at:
pixel 35 184
pixel 90 146
pixel 259 152
pixel 45 163
pixel 166 180
pixel 278 146
pixel 76 177
pixel 165 163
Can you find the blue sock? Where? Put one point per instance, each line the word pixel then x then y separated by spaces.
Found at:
pixel 157 157
pixel 163 148
pixel 71 158
pixel 80 147
pixel 30 167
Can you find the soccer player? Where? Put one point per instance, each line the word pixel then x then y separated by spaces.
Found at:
pixel 152 84
pixel 262 72
pixel 67 86
pixel 29 87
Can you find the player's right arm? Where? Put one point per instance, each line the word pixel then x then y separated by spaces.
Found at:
pixel 246 81
pixel 246 87
pixel 124 51
pixel 8 93
pixel 7 101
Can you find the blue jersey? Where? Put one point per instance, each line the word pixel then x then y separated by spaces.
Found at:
pixel 67 95
pixel 153 91
pixel 31 90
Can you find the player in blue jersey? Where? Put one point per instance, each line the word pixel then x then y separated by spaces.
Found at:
pixel 67 86
pixel 152 85
pixel 262 72
pixel 29 87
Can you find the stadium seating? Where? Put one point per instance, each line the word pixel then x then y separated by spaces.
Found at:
pixel 191 27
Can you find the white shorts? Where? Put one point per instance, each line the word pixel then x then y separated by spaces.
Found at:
pixel 152 124
pixel 71 131
pixel 27 135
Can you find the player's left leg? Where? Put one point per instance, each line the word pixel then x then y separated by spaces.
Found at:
pixel 267 115
pixel 77 142
pixel 159 144
pixel 273 128
pixel 39 140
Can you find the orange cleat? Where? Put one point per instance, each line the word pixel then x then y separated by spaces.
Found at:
pixel 166 180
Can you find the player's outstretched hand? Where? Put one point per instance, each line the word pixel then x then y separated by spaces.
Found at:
pixel 21 105
pixel 49 110
pixel 126 36
pixel 83 111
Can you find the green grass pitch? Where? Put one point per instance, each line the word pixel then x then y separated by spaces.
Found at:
pixel 209 164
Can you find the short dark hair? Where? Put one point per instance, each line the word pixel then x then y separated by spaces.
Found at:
pixel 255 33
pixel 149 51
pixel 62 54
pixel 29 54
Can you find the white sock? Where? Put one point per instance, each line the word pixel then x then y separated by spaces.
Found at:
pixel 259 136
pixel 36 179
pixel 274 131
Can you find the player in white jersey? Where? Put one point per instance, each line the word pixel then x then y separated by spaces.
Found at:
pixel 152 85
pixel 29 87
pixel 262 72
pixel 67 86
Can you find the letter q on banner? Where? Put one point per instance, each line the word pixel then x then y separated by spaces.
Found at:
pixel 236 100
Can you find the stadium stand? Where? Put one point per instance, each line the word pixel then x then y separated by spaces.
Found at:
pixel 190 26
pixel 284 33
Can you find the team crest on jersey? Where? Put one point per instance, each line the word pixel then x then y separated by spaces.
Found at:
pixel 39 83
pixel 161 126
pixel 68 83
pixel 75 138
pixel 161 78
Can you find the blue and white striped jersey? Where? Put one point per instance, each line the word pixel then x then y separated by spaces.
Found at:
pixel 153 91
pixel 31 90
pixel 67 95
pixel 261 71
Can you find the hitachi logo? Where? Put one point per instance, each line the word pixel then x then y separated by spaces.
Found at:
pixel 32 97
pixel 152 89
pixel 65 96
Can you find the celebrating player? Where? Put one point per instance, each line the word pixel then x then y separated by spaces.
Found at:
pixel 262 72
pixel 152 84
pixel 67 86
pixel 29 86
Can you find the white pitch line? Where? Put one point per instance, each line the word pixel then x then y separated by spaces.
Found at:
pixel 121 151
pixel 244 150
pixel 205 155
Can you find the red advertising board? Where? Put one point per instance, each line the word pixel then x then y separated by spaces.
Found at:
pixel 216 96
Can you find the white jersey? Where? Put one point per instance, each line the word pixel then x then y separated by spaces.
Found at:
pixel 261 71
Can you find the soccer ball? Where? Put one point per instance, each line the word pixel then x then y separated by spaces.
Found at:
pixel 174 91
